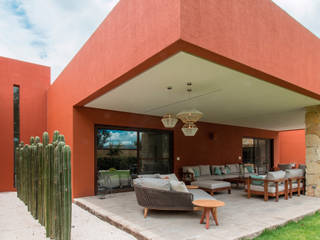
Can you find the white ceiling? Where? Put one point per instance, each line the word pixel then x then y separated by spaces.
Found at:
pixel 224 95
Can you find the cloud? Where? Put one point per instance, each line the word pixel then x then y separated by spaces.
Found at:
pixel 304 11
pixel 49 32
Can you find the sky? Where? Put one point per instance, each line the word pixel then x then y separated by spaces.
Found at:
pixel 51 32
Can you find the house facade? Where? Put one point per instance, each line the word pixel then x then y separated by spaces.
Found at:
pixel 254 76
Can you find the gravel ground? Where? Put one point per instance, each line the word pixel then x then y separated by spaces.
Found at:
pixel 16 223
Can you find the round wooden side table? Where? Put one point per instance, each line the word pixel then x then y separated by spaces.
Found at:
pixel 209 206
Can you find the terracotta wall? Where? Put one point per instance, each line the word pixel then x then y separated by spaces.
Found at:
pixel 226 146
pixel 34 81
pixel 292 146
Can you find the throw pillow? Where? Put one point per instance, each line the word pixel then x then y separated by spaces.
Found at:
pixel 255 182
pixel 178 186
pixel 196 171
pixel 205 170
pixel 217 171
pixel 250 169
pixel 228 170
pixel 223 170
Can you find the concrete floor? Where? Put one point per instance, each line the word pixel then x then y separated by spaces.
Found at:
pixel 240 217
pixel 16 223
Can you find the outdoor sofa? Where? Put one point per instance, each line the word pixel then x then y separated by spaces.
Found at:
pixel 217 172
pixel 164 193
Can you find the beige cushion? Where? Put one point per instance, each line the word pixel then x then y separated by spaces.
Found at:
pixel 171 176
pixel 155 183
pixel 205 170
pixel 178 186
pixel 211 184
pixel 276 175
pixel 271 189
pixel 234 168
pixel 292 173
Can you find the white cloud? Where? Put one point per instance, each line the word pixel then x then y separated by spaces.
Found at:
pixel 51 32
pixel 304 11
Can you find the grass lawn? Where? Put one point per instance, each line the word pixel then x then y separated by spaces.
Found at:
pixel 306 229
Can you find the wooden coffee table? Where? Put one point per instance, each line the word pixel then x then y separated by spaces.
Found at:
pixel 209 206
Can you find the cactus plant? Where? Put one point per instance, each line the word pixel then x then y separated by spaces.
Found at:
pixel 43 183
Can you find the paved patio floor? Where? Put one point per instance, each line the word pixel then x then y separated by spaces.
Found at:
pixel 17 223
pixel 240 217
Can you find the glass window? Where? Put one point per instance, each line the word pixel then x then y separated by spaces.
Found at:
pixel 16 122
pixel 123 154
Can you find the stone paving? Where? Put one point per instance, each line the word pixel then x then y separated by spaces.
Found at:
pixel 16 223
pixel 240 217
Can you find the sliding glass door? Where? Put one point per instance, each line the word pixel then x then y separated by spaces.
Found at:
pixel 259 152
pixel 123 153
pixel 154 153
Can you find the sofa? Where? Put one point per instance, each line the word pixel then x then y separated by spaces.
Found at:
pixel 217 172
pixel 159 192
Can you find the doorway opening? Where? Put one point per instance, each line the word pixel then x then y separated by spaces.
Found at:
pixel 259 152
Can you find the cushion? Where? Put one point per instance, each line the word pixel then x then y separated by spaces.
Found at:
pixel 228 171
pixel 276 175
pixel 211 184
pixel 223 170
pixel 285 166
pixel 205 170
pixel 292 173
pixel 217 171
pixel 295 185
pixel 155 183
pixel 250 169
pixel 178 186
pixel 200 194
pixel 171 176
pixel 214 166
pixel 234 168
pixel 255 182
pixel 196 171
pixel 271 189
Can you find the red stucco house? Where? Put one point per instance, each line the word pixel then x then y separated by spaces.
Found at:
pixel 253 70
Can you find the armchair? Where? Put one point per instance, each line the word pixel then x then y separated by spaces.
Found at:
pixel 273 185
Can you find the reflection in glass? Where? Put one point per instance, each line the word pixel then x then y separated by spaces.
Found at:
pixel 16 122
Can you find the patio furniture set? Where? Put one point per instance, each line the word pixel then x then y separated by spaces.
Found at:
pixel 166 192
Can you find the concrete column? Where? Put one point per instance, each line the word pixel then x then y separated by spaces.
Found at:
pixel 312 121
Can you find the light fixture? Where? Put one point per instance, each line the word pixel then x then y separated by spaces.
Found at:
pixel 192 115
pixel 169 121
pixel 189 129
pixel 188 117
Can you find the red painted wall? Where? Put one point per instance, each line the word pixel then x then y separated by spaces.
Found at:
pixel 292 147
pixel 200 149
pixel 34 81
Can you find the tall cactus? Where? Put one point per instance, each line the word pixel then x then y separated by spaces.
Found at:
pixel 67 199
pixel 44 183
